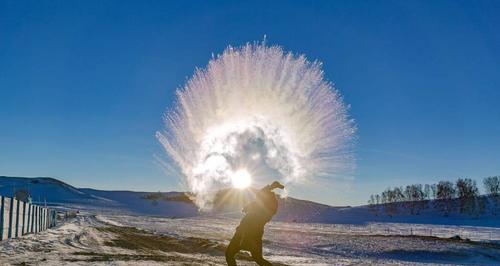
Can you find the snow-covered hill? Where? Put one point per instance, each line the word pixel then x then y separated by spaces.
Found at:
pixel 178 204
pixel 169 204
pixel 53 192
pixel 46 189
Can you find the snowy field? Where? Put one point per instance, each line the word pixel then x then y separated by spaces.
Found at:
pixel 113 240
pixel 383 243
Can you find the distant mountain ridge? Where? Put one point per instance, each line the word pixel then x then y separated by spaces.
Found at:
pixel 51 191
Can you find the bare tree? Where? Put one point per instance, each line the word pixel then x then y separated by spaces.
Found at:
pixel 427 191
pixel 434 191
pixel 414 198
pixel 492 188
pixel 398 194
pixel 492 185
pixel 467 193
pixel 445 192
pixel 390 205
pixel 383 197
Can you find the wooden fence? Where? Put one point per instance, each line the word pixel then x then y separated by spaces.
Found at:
pixel 19 218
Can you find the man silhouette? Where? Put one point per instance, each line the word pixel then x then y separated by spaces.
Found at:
pixel 248 235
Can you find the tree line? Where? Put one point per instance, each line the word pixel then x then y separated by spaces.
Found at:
pixel 446 196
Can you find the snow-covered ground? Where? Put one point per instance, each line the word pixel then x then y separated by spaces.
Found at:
pixel 86 240
pixel 112 240
pixel 125 227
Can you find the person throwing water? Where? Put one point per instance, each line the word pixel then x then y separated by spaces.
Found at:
pixel 248 235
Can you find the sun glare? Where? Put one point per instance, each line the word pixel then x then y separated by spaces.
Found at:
pixel 241 179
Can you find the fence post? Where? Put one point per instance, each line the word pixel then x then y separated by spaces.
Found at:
pixel 32 230
pixel 33 213
pixel 35 221
pixel 42 220
pixel 38 218
pixel 1 219
pixel 32 219
pixel 10 217
pixel 16 231
pixel 27 214
pixel 45 219
pixel 24 216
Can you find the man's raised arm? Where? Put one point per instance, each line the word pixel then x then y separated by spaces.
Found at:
pixel 272 186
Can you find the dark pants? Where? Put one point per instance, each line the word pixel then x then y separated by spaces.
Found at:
pixel 250 240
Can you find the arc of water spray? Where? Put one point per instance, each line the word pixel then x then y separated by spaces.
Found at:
pixel 260 109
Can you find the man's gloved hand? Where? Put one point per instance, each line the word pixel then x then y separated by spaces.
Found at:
pixel 277 184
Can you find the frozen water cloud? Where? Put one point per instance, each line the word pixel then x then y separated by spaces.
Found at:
pixel 258 109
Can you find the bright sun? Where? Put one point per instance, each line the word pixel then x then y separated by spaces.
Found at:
pixel 241 179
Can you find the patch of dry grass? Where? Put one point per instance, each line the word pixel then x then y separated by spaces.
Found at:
pixel 152 247
pixel 493 245
pixel 100 257
pixel 146 242
pixel 139 240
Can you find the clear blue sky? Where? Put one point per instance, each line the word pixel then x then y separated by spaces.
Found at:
pixel 83 84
